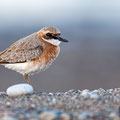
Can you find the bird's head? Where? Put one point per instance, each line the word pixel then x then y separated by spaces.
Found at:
pixel 51 35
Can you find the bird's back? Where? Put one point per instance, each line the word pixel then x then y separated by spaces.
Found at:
pixel 23 50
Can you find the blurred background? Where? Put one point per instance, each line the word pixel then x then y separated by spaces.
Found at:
pixel 90 60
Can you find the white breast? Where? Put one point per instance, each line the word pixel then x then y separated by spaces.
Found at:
pixel 28 67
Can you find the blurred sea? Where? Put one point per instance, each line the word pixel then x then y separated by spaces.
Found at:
pixel 90 60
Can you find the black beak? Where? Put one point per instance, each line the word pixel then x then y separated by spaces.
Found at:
pixel 61 39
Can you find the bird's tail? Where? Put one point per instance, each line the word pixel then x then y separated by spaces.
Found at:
pixel 1 60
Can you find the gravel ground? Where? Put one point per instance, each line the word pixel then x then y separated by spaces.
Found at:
pixel 72 105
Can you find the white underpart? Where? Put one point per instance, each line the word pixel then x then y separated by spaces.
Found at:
pixel 53 41
pixel 27 67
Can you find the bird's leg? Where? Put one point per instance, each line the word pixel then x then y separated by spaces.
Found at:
pixel 26 77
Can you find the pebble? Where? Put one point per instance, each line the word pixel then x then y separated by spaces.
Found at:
pixel 54 114
pixel 65 116
pixel 70 105
pixel 95 91
pixel 94 96
pixel 7 115
pixel 47 115
pixel 85 93
pixel 90 94
pixel 84 115
pixel 19 89
pixel 8 118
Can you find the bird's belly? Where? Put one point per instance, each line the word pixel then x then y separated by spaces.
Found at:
pixel 28 67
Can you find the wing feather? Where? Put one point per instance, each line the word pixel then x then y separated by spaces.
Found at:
pixel 25 49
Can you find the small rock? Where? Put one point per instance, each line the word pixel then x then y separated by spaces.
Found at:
pixel 85 93
pixel 114 115
pixel 8 104
pixel 43 93
pixel 110 90
pixel 65 116
pixel 7 115
pixel 95 91
pixel 86 90
pixel 51 94
pixel 84 115
pixel 73 91
pixel 19 89
pixel 8 118
pixel 47 115
pixel 94 96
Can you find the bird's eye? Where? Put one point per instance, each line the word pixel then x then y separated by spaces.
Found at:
pixel 48 34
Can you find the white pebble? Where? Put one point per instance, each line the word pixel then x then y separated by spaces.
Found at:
pixel 94 96
pixel 19 89
pixel 86 90
pixel 85 93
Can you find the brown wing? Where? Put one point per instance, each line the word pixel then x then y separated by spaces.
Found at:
pixel 25 49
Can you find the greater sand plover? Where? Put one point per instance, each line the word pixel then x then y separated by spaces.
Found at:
pixel 33 53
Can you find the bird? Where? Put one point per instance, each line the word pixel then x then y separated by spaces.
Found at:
pixel 34 53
